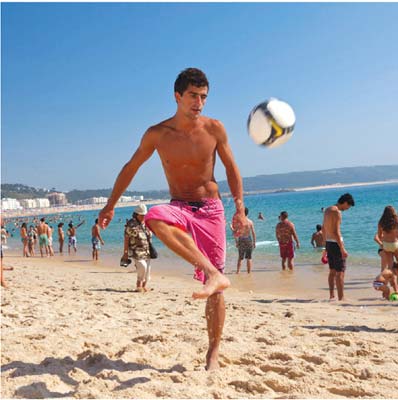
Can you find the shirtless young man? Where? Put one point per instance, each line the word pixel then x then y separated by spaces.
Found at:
pixel 335 249
pixel 42 232
pixel 96 239
pixel 246 242
pixel 285 232
pixel 317 239
pixel 193 224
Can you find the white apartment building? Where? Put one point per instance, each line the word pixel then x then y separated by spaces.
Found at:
pixel 10 204
pixel 92 200
pixel 28 203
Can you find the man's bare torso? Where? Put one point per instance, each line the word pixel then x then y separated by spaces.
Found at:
pixel 188 158
pixel 284 231
pixel 331 224
pixel 42 228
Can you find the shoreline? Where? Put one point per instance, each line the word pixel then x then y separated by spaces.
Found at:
pixel 73 208
pixel 92 207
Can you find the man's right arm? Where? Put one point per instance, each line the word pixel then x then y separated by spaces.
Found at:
pixel 338 235
pixel 126 175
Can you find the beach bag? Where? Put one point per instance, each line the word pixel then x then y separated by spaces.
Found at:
pixel 152 251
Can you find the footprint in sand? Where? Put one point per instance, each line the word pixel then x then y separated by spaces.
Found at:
pixel 313 359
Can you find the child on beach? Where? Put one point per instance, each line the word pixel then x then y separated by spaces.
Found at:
pixel 387 276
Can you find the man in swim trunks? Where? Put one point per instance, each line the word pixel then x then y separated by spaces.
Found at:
pixel 96 239
pixel 42 231
pixel 245 243
pixel 285 232
pixel 193 224
pixel 72 240
pixel 335 249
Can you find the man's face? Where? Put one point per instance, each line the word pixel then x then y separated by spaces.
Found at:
pixel 345 206
pixel 192 101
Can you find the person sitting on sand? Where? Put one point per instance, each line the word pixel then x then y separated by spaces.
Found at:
pixel 387 276
pixel 193 224
pixel 136 246
pixel 387 236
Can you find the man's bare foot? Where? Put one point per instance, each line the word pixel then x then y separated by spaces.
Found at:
pixel 215 283
pixel 332 298
pixel 3 284
pixel 212 360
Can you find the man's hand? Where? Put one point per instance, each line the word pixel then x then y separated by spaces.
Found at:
pixel 105 216
pixel 344 254
pixel 239 223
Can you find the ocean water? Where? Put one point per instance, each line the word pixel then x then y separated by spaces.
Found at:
pixel 359 225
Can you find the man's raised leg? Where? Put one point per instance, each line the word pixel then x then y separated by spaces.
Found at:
pixel 182 244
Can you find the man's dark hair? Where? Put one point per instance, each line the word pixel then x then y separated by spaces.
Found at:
pixel 318 227
pixel 284 215
pixel 42 219
pixel 346 198
pixel 190 76
pixel 246 211
pixel 96 221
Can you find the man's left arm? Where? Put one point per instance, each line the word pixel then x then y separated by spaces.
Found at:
pixel 233 177
pixel 295 236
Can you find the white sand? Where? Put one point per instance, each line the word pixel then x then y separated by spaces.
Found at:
pixel 73 329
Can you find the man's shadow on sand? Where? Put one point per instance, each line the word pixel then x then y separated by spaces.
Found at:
pixel 87 361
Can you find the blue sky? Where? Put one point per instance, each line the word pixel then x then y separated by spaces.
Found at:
pixel 81 82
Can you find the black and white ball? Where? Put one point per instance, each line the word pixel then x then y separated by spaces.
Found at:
pixel 271 123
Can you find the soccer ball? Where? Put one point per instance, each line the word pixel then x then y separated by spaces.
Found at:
pixel 271 123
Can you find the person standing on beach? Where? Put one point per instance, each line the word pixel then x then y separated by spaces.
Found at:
pixel 317 239
pixel 50 240
pixel 24 239
pixel 246 242
pixel 96 239
pixel 193 224
pixel 285 233
pixel 61 237
pixel 387 236
pixel 72 240
pixel 137 237
pixel 42 231
pixel 335 249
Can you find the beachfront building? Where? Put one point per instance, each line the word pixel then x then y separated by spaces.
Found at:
pixel 92 200
pixel 126 199
pixel 42 203
pixel 57 199
pixel 28 203
pixel 10 204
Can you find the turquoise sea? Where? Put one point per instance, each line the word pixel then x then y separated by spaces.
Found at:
pixel 358 228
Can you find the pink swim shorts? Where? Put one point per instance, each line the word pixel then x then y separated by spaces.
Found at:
pixel 286 250
pixel 204 221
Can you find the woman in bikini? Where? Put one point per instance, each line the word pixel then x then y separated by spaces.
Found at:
pixel 387 236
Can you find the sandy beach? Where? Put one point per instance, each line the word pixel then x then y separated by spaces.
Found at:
pixel 71 328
